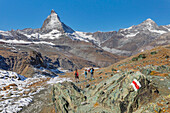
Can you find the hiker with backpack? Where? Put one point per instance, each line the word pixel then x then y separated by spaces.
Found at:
pixel 85 73
pixel 76 76
pixel 89 70
pixel 92 72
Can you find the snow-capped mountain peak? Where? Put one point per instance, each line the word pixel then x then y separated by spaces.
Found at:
pixel 52 11
pixel 53 22
pixel 148 24
pixel 149 20
pixel 54 16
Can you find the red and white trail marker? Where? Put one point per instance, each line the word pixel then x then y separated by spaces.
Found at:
pixel 136 85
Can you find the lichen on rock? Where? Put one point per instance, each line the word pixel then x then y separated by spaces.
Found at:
pixel 114 94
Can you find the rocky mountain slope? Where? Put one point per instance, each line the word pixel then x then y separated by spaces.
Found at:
pixel 111 89
pixel 112 95
pixel 42 54
pixel 29 62
pixel 132 40
pixel 99 48
pixel 136 38
pixel 62 46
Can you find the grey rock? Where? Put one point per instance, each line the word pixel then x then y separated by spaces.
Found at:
pixel 115 96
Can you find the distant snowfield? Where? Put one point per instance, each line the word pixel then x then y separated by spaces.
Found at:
pixel 116 51
pixel 54 34
pixel 84 36
pixel 58 80
pixel 5 33
pixel 132 34
pixel 17 91
pixel 25 42
pixel 158 31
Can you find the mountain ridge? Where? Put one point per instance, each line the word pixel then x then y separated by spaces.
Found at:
pixel 49 55
pixel 57 35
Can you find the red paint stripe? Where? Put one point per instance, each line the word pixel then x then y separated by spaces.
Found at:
pixel 137 87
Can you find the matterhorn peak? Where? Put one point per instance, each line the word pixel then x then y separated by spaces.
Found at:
pixel 54 16
pixel 149 20
pixel 53 23
pixel 52 11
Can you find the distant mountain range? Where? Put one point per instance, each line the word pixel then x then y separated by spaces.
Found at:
pixel 99 48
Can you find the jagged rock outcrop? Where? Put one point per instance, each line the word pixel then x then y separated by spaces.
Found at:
pixel 3 64
pixel 36 59
pixel 164 39
pixel 114 94
pixel 24 63
pixel 67 97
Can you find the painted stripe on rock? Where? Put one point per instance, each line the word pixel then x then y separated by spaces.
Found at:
pixel 136 85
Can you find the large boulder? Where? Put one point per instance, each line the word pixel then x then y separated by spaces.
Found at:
pixel 36 59
pixel 118 95
pixel 114 94
pixel 67 97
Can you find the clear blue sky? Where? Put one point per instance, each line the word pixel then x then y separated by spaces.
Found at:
pixel 83 15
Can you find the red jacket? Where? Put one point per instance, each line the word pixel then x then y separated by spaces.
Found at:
pixel 76 73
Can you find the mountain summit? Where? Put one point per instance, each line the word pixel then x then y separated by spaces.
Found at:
pixel 148 24
pixel 145 26
pixel 53 22
pixel 149 20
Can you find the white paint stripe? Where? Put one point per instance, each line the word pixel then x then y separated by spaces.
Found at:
pixel 137 82
pixel 134 87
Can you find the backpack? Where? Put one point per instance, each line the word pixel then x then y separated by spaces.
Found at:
pixel 85 72
pixel 75 73
pixel 91 71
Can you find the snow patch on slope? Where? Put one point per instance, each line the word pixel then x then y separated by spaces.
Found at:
pixel 84 35
pixel 5 33
pixel 12 106
pixel 129 28
pixel 25 42
pixel 116 51
pixel 13 96
pixel 132 34
pixel 158 31
pixel 81 36
pixel 167 27
pixel 58 80
pixel 54 34
pixel 17 91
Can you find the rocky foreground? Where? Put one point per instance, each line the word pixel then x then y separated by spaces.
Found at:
pixel 113 95
pixel 111 90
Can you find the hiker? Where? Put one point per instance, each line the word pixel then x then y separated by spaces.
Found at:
pixel 92 72
pixel 89 70
pixel 85 73
pixel 76 76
